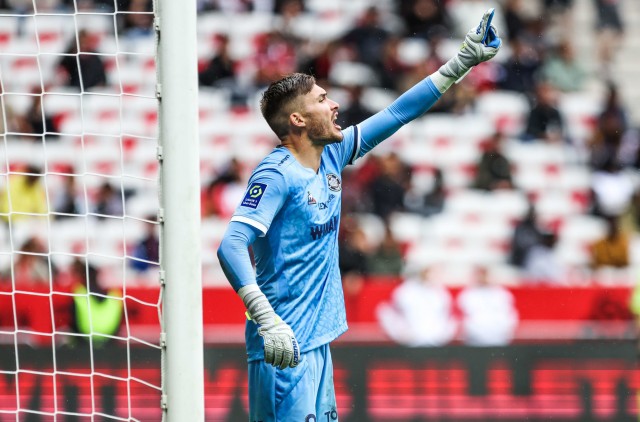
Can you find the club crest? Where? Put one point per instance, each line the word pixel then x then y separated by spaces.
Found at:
pixel 334 182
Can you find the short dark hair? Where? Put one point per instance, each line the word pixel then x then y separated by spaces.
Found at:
pixel 276 100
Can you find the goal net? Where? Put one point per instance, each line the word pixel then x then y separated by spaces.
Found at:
pixel 80 298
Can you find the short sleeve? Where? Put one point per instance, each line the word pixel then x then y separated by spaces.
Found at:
pixel 265 195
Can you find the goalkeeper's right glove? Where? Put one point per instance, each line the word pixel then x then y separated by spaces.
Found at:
pixel 481 44
pixel 280 345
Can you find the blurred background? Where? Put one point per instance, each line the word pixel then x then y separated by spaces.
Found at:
pixel 490 250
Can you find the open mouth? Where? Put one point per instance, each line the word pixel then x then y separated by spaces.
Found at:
pixel 336 125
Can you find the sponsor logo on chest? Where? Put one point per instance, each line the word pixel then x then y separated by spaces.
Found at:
pixel 321 230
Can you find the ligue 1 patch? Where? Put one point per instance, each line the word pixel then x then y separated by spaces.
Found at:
pixel 334 182
pixel 254 195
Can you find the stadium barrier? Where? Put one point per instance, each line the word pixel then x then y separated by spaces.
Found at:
pixel 574 381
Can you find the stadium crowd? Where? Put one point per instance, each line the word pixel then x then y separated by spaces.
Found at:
pixel 365 53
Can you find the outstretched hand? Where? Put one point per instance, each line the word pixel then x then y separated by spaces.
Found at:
pixel 482 40
pixel 481 43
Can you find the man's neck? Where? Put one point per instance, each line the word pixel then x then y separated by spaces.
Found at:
pixel 307 154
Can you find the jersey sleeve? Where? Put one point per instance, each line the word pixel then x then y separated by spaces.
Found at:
pixel 233 254
pixel 265 195
pixel 409 106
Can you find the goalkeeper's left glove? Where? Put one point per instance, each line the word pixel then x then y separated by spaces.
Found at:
pixel 280 345
pixel 481 44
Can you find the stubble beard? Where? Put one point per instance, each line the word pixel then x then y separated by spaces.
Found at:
pixel 325 134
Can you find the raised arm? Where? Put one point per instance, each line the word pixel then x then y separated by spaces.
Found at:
pixel 481 44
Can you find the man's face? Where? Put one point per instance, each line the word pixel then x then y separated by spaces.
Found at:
pixel 320 114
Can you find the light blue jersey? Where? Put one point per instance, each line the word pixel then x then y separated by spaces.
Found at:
pixel 298 214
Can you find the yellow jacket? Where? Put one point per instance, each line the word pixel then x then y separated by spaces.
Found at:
pixel 23 197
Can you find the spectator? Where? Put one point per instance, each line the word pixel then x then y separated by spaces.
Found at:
pixel 356 111
pixel 614 107
pixel 494 169
pixel 519 71
pixel 368 37
pixel 387 190
pixel 557 6
pixel 562 70
pixel 391 72
pixel 96 312
pixel 147 251
pixel 545 121
pixel 288 19
pixel 422 16
pixel 386 259
pixel 557 16
pixel 354 247
pixel 489 316
pixel 24 196
pixel 31 266
pixel 84 69
pixel 219 71
pixel 108 202
pixel 612 189
pixel 284 7
pixel 222 195
pixel 137 21
pixel 607 142
pixel 526 235
pixel 613 249
pixel 68 200
pixel 514 19
pixel 610 32
pixel 420 312
pixel 430 202
pixel 36 121
pixel 542 265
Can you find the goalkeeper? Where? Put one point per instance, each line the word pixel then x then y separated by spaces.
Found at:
pixel 290 216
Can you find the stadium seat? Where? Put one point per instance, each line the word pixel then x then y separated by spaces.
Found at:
pixel 373 227
pixel 406 227
pixel 53 32
pixel 101 25
pixel 534 153
pixel 9 26
pixel 580 110
pixel 555 204
pixel 507 110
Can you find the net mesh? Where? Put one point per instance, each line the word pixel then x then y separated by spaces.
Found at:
pixel 79 238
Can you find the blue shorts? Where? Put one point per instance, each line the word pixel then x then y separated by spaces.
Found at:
pixel 301 394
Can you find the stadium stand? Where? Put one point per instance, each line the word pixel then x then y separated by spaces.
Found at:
pixel 475 227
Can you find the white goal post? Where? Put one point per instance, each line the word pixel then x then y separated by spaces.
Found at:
pixel 180 202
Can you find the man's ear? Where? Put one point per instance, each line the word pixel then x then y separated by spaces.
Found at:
pixel 297 120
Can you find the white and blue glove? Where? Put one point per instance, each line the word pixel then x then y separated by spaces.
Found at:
pixel 480 44
pixel 280 345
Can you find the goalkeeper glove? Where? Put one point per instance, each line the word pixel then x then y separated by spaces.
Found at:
pixel 481 44
pixel 280 345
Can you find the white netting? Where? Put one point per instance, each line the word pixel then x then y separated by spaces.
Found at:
pixel 78 206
